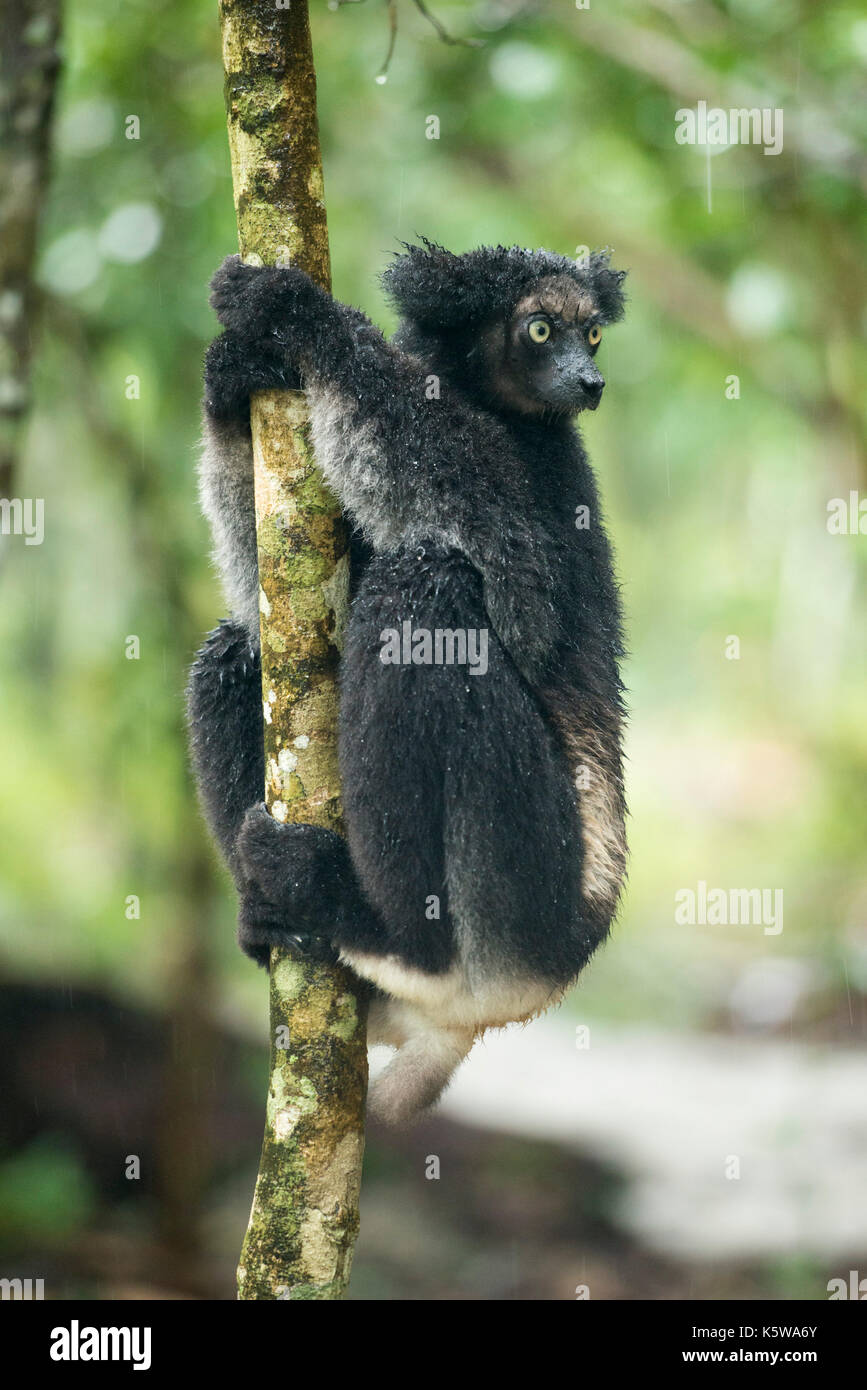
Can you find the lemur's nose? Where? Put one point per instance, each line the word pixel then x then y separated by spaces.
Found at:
pixel 592 385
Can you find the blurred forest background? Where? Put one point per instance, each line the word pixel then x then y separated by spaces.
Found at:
pixel 145 1034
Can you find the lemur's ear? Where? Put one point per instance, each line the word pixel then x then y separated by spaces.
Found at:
pixel 606 284
pixel 437 289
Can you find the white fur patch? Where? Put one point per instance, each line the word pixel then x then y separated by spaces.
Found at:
pixel 226 493
pixel 433 1021
pixel 600 802
pixel 603 836
pixel 448 1000
pixel 425 1062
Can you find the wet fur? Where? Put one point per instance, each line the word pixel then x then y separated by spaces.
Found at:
pixel 499 797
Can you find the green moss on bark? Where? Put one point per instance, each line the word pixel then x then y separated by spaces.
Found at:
pixel 304 1219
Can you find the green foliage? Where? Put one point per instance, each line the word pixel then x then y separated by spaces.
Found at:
pixel 45 1195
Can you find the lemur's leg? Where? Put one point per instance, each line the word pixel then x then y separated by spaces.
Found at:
pixel 462 826
pixel 232 373
pixel 295 882
pixel 590 730
pixel 224 713
pixel 288 877
pixel 461 815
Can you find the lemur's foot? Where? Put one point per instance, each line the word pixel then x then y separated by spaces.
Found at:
pixel 296 881
pixel 259 930
pixel 258 301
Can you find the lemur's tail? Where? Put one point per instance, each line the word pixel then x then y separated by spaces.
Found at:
pixel 419 1072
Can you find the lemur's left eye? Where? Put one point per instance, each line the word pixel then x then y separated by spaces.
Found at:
pixel 594 337
pixel 539 330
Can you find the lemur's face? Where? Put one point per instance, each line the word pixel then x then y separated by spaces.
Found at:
pixel 541 359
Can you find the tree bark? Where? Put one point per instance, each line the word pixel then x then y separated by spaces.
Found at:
pixel 305 1209
pixel 29 65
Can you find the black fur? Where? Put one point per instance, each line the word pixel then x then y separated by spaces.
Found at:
pixel 224 707
pixel 454 785
pixel 292 879
pixel 435 289
pixel 457 787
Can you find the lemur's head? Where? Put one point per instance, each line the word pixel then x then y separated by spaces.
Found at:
pixel 520 327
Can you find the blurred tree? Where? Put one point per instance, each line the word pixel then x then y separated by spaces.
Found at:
pixel 29 65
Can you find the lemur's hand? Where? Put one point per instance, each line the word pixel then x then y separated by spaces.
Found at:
pixel 258 301
pixel 236 367
pixel 292 884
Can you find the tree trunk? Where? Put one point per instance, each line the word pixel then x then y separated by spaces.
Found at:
pixel 305 1210
pixel 29 65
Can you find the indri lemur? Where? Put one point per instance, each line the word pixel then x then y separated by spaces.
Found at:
pixel 497 794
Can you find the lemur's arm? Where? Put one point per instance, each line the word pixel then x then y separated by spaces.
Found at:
pixel 367 400
pixel 279 321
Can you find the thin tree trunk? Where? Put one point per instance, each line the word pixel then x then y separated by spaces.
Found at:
pixel 29 65
pixel 305 1210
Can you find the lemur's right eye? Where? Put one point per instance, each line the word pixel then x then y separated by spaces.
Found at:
pixel 539 330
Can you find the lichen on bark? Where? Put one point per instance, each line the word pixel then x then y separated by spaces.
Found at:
pixel 305 1209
